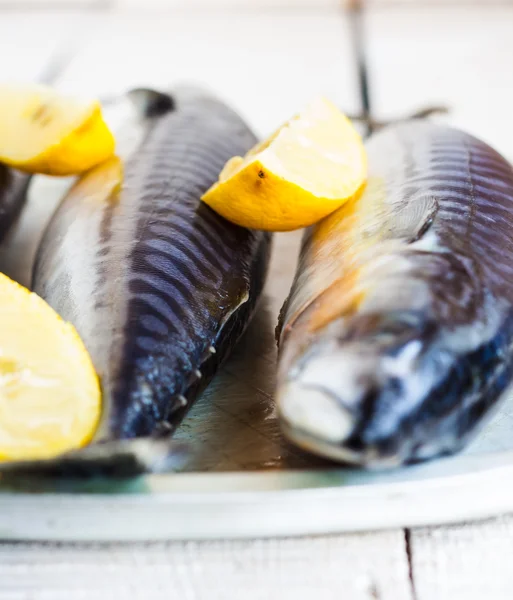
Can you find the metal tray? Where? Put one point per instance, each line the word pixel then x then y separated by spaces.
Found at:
pixel 244 480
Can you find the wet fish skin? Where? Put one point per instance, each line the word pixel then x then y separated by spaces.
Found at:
pixel 396 341
pixel 158 285
pixel 13 194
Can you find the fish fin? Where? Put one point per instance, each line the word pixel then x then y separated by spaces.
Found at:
pixel 421 114
pixel 412 219
pixel 430 209
pixel 151 103
pixel 281 320
pixel 120 458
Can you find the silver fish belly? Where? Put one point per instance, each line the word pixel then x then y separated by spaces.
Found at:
pixel 159 286
pixel 397 338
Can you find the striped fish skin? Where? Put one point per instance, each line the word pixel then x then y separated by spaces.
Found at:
pixel 13 194
pixel 159 286
pixel 397 338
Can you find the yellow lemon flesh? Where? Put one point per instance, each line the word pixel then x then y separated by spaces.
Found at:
pixel 302 173
pixel 49 393
pixel 44 131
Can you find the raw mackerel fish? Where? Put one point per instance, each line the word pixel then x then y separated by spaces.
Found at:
pixel 397 339
pixel 13 194
pixel 159 286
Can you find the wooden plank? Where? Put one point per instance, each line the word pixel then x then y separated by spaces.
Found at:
pixel 266 64
pixel 30 40
pixel 433 3
pixel 433 55
pixel 466 562
pixel 352 567
pixel 237 5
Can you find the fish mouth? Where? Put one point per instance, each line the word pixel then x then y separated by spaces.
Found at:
pixel 342 454
pixel 315 411
pixel 317 422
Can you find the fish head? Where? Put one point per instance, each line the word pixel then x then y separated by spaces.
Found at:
pixel 368 393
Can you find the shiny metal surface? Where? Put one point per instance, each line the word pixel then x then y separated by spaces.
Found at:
pixel 244 480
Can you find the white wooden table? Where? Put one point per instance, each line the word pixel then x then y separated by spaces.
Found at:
pixel 268 63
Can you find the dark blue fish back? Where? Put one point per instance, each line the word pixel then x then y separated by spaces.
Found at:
pixel 472 186
pixel 470 277
pixel 193 276
pixel 158 285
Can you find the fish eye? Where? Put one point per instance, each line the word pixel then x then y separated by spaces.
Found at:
pixel 394 385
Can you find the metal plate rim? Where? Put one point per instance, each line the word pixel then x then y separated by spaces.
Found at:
pixel 289 503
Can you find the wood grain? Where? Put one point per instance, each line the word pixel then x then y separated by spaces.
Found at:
pixel 464 562
pixel 349 567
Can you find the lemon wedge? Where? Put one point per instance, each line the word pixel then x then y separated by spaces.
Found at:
pixel 49 392
pixel 44 131
pixel 306 170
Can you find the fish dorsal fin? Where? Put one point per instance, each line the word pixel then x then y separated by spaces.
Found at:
pixel 151 103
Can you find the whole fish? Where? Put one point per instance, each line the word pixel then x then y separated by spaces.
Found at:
pixel 13 194
pixel 159 286
pixel 397 338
